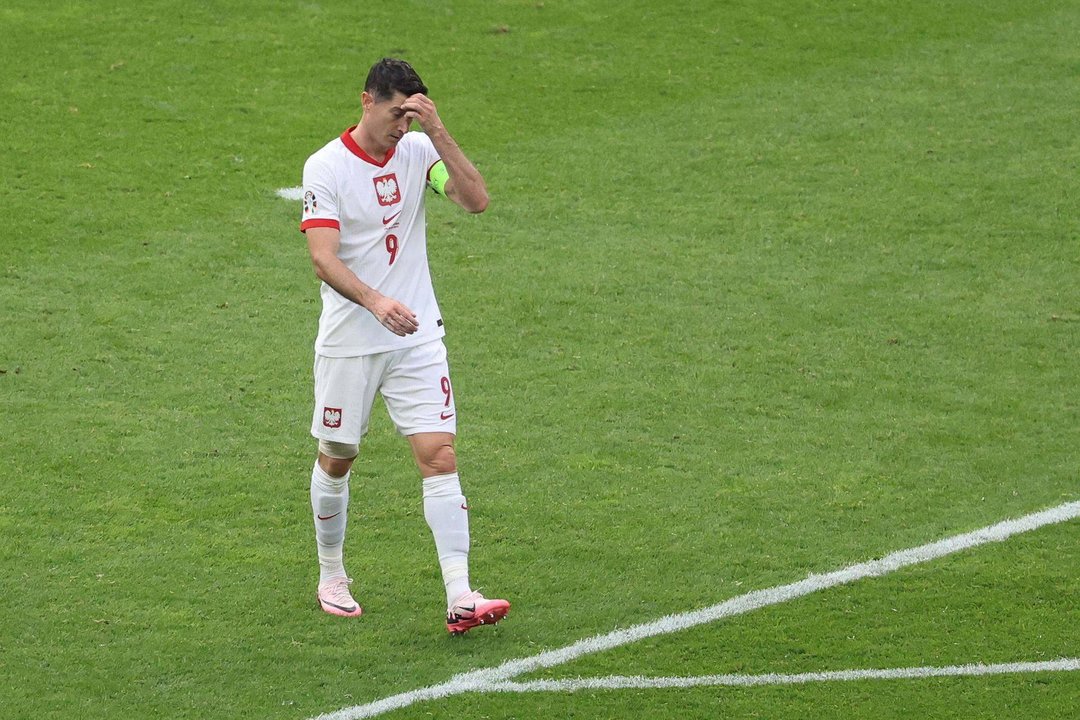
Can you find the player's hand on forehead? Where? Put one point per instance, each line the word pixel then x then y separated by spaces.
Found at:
pixel 420 107
pixel 416 101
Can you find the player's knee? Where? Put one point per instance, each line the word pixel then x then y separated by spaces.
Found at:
pixel 336 458
pixel 442 460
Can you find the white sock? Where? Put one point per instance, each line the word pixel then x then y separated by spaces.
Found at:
pixel 447 515
pixel 329 505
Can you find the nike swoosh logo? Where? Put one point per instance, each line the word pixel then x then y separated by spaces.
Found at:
pixel 445 416
pixel 348 608
pixel 388 220
pixel 464 506
pixel 328 516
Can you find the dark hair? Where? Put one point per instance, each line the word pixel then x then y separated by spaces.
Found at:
pixel 390 75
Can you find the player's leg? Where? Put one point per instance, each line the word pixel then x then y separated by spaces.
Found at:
pixel 342 408
pixel 330 504
pixel 447 513
pixel 420 401
pixel 445 507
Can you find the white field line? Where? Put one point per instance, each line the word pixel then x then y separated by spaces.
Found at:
pixel 623 682
pixel 294 193
pixel 485 678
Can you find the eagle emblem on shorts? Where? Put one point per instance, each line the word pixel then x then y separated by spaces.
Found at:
pixel 331 417
pixel 386 188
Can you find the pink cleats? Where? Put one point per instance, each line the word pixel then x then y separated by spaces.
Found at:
pixel 472 609
pixel 335 598
pixel 468 611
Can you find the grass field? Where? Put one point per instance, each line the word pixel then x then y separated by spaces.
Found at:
pixel 765 289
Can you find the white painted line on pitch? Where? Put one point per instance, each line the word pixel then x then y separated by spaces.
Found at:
pixel 484 678
pixel 291 193
pixel 638 682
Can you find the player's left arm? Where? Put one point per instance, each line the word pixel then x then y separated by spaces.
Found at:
pixel 465 186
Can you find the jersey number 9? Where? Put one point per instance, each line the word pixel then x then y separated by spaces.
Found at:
pixel 392 247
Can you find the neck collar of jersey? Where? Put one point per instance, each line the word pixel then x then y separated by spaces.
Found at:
pixel 347 138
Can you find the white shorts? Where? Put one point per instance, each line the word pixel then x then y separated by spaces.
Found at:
pixel 414 383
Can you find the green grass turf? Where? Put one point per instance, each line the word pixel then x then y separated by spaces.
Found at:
pixel 765 288
pixel 994 604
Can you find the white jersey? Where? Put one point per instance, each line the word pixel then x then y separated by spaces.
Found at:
pixel 379 210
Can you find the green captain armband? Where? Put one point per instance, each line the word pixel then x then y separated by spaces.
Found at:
pixel 437 177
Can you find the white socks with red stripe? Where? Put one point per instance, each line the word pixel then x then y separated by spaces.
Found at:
pixel 447 515
pixel 329 503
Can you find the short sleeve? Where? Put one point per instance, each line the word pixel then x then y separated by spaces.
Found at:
pixel 320 196
pixel 426 154
pixel 427 150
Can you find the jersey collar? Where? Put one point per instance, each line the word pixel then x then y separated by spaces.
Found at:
pixel 346 137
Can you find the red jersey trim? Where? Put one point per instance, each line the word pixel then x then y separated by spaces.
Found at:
pixel 347 139
pixel 319 222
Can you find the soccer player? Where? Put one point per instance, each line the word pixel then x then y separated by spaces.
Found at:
pixel 380 329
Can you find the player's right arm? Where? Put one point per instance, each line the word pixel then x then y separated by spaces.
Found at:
pixel 323 243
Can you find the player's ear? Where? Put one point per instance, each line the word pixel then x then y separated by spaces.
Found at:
pixel 366 100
